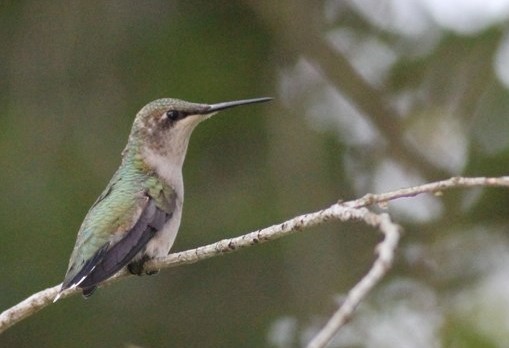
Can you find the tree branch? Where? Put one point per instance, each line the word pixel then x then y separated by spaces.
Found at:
pixel 385 251
pixel 341 211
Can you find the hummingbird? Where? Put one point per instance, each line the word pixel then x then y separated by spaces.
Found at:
pixel 137 216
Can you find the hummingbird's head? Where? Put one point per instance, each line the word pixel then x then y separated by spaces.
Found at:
pixel 164 126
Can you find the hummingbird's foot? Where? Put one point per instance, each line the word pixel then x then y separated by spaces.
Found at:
pixel 87 292
pixel 137 267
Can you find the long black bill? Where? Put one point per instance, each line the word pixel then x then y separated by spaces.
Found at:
pixel 231 104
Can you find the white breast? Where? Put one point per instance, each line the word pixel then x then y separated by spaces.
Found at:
pixel 162 242
pixel 171 172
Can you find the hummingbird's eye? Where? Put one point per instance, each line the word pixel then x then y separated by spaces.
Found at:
pixel 173 115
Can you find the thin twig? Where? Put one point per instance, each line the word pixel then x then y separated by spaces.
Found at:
pixel 434 187
pixel 387 247
pixel 385 251
pixel 44 298
pixel 340 211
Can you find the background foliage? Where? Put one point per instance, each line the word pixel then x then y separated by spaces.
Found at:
pixel 370 96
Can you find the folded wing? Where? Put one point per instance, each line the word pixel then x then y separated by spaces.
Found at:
pixel 112 257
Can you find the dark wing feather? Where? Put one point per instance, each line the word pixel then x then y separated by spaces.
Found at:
pixel 86 269
pixel 151 220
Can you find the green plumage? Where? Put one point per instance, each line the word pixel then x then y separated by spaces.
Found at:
pixel 118 208
pixel 137 217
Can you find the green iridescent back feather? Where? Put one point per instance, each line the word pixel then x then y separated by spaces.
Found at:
pixel 117 208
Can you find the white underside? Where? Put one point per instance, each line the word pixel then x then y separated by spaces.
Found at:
pixel 162 242
pixel 169 168
pixel 171 172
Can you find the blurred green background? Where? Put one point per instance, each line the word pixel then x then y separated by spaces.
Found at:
pixel 370 96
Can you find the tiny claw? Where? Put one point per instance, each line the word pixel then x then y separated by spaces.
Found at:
pixel 135 268
pixel 138 267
